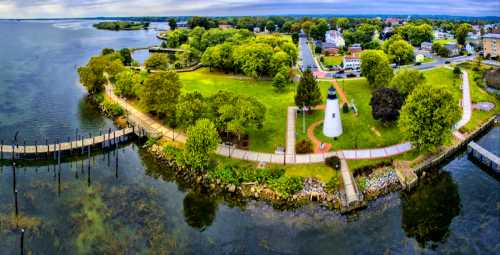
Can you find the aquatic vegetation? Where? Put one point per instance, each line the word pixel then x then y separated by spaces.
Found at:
pixel 9 222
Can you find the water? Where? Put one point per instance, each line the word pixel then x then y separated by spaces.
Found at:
pixel 133 204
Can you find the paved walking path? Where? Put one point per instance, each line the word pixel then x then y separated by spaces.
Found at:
pixel 466 101
pixel 290 130
pixel 350 190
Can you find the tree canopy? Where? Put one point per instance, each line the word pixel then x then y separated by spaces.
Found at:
pixel 428 115
pixel 386 104
pixel 308 93
pixel 375 67
pixel 160 92
pixel 201 143
pixel 406 80
pixel 401 52
pixel 127 83
pixel 461 32
pixel 190 108
pixel 157 61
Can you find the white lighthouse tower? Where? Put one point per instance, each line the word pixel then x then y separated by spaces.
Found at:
pixel 332 126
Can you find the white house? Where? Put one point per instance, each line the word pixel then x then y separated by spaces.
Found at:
pixel 334 37
pixel 426 46
pixel 332 125
pixel 469 48
pixel 452 48
pixel 351 62
pixel 438 35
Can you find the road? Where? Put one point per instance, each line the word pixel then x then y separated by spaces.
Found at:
pixel 307 56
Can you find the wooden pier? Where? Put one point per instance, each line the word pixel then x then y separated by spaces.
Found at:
pixel 484 156
pixel 45 150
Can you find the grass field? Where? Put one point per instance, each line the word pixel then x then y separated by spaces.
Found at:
pixel 444 41
pixel 273 132
pixel 332 60
pixel 443 77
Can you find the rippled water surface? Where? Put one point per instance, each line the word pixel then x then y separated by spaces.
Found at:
pixel 124 202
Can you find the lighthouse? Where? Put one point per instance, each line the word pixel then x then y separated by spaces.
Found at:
pixel 332 126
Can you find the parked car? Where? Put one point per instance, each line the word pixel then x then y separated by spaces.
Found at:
pixel 418 63
pixel 447 62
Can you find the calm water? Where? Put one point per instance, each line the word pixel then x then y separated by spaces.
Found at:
pixel 123 202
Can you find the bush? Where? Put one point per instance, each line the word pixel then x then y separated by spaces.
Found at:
pixel 332 184
pixel 279 81
pixel 233 174
pixel 287 185
pixel 113 109
pixel 345 108
pixel 304 146
pixel 361 181
pixel 317 49
pixel 457 71
pixel 333 162
pixel 151 141
pixel 171 152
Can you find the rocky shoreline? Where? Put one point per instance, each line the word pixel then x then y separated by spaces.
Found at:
pixel 313 190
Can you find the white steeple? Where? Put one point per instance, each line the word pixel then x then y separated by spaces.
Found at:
pixel 332 125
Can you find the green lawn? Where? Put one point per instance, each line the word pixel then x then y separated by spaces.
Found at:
pixel 444 41
pixel 273 133
pixel 332 60
pixel 443 77
pixel 428 60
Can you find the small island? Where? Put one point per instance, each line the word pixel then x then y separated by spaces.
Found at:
pixel 121 25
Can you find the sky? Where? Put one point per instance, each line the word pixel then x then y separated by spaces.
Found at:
pixel 108 8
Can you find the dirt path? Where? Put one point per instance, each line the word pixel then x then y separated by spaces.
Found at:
pixel 316 142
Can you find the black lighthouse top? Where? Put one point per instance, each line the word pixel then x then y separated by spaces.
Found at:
pixel 332 93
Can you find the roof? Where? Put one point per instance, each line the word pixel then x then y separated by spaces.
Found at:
pixel 351 57
pixel 426 43
pixel 451 45
pixel 492 36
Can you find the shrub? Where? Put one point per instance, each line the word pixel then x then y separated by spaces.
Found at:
pixel 345 108
pixel 113 109
pixel 151 141
pixel 332 184
pixel 457 71
pixel 304 146
pixel 361 181
pixel 333 162
pixel 317 49
pixel 287 185
pixel 279 81
pixel 233 174
pixel 171 152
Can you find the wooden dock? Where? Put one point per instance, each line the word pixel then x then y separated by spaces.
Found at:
pixel 82 145
pixel 487 158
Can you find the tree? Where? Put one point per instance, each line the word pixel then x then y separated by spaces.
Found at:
pixel 279 81
pixel 92 75
pixel 107 51
pixel 157 61
pixel 127 56
pixel 295 37
pixel 401 52
pixel 190 108
pixel 406 80
pixel 113 68
pixel 461 32
pixel 457 72
pixel 195 38
pixel 172 23
pixel 386 104
pixel 318 31
pixel 428 115
pixel 201 143
pixel 127 83
pixel 375 67
pixel 270 27
pixel 160 92
pixel 306 27
pixel 253 58
pixel 416 34
pixel 308 93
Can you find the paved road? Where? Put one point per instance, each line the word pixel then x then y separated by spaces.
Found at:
pixel 307 56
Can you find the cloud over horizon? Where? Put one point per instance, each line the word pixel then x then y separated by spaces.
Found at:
pixel 94 8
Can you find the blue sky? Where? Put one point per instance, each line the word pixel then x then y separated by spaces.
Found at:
pixel 92 8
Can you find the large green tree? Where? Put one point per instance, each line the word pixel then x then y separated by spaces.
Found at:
pixel 406 80
pixel 172 23
pixel 375 67
pixel 461 32
pixel 190 108
pixel 428 116
pixel 253 58
pixel 126 84
pixel 160 92
pixel 401 52
pixel 201 143
pixel 157 61
pixel 308 93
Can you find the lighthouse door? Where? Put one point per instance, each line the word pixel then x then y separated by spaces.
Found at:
pixel 333 115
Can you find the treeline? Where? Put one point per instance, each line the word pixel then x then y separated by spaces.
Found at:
pixel 121 25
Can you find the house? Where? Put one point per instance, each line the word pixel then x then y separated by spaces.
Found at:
pixel 355 49
pixel 335 37
pixel 256 29
pixel 225 26
pixel 387 32
pixel 491 45
pixel 439 35
pixel 329 48
pixel 419 58
pixel 452 48
pixel 426 46
pixel 351 62
pixel 469 48
pixel 392 21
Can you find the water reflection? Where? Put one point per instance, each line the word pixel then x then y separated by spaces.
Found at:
pixel 427 212
pixel 199 210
